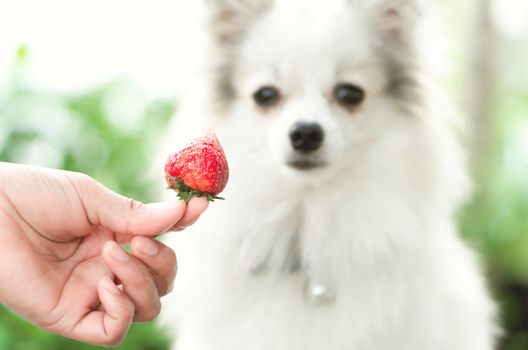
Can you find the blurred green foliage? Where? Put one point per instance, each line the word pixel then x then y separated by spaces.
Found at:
pixel 16 334
pixel 496 220
pixel 111 132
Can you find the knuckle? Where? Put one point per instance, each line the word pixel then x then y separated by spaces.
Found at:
pixel 163 287
pixel 175 266
pixel 166 259
pixel 153 312
pixel 82 182
pixel 165 277
pixel 172 276
pixel 81 179
pixel 114 339
pixel 142 279
pixel 171 256
pixel 57 324
pixel 170 287
pixel 129 308
pixel 133 207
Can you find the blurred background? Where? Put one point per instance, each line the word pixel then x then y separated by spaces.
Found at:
pixel 91 86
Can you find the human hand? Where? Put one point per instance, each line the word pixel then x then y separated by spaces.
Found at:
pixel 61 264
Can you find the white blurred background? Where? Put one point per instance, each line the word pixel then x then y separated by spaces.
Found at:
pixel 76 45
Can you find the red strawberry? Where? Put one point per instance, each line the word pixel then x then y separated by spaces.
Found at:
pixel 200 169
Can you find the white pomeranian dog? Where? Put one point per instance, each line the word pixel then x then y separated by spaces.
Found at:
pixel 337 231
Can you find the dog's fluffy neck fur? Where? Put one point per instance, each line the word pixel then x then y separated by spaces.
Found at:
pixel 388 216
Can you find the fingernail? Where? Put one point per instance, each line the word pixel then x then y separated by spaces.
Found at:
pixel 118 253
pixel 109 285
pixel 163 206
pixel 148 247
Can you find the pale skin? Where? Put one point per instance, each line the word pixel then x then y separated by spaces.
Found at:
pixel 61 262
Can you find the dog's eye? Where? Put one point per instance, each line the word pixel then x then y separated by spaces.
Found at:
pixel 266 96
pixel 348 95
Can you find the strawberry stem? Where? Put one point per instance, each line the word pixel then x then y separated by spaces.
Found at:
pixel 186 193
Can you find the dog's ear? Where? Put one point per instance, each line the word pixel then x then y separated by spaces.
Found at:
pixel 229 18
pixel 397 24
pixel 396 19
pixel 228 21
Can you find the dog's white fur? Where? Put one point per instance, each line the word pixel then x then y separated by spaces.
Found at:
pixel 375 225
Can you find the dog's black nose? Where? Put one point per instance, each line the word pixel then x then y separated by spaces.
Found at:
pixel 306 137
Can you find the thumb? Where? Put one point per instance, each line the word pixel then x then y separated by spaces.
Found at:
pixel 125 215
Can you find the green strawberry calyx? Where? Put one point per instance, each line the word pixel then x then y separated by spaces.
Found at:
pixel 186 193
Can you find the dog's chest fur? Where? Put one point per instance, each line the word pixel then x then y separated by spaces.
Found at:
pixel 389 302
